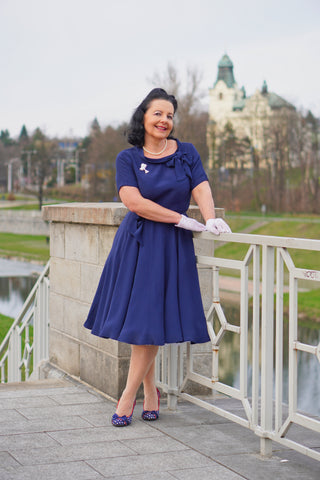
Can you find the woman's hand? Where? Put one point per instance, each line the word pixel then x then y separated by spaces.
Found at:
pixel 190 224
pixel 217 226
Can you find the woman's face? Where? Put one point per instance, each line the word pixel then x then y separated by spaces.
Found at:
pixel 158 120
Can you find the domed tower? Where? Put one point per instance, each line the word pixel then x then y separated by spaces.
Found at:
pixel 225 92
pixel 225 71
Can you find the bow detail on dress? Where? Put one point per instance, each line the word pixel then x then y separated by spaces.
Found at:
pixel 181 163
pixel 135 227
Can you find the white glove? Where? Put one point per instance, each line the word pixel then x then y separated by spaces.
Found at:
pixel 190 224
pixel 217 226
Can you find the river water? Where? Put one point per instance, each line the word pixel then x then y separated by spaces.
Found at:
pixel 16 281
pixel 18 278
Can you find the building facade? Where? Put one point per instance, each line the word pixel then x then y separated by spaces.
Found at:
pixel 249 117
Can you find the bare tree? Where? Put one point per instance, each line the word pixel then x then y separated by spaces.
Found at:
pixel 101 155
pixel 190 123
pixel 41 161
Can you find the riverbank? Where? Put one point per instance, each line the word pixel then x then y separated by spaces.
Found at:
pixel 30 248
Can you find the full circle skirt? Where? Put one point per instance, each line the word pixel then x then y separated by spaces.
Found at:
pixel 149 291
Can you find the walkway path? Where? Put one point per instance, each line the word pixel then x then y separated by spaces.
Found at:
pixel 60 429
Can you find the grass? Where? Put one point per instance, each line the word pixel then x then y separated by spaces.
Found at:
pixel 308 302
pixel 308 307
pixel 29 206
pixel 26 247
pixel 5 324
pixel 301 258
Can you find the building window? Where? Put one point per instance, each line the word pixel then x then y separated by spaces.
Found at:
pixel 220 96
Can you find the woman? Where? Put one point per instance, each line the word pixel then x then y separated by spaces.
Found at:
pixel 149 294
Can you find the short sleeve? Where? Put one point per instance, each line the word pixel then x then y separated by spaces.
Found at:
pixel 197 170
pixel 125 174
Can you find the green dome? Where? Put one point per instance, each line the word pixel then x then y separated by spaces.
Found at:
pixel 225 71
pixel 225 62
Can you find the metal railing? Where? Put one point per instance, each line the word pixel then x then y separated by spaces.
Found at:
pixel 264 412
pixel 26 344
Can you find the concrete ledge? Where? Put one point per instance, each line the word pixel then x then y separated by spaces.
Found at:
pixel 107 213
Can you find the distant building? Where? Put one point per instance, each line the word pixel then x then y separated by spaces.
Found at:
pixel 249 116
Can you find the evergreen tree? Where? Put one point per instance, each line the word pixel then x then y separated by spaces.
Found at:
pixel 5 138
pixel 23 134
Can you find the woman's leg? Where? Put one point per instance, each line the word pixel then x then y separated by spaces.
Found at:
pixel 142 359
pixel 150 390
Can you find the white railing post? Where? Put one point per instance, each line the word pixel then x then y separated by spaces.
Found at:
pixel 267 348
pixel 40 326
pixel 14 357
pixel 172 376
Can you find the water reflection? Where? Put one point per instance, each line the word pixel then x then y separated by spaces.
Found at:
pixel 13 293
pixel 308 364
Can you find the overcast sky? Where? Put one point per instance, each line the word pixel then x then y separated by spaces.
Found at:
pixel 64 62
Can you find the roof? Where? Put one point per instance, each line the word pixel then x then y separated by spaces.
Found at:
pixel 225 71
pixel 225 62
pixel 274 102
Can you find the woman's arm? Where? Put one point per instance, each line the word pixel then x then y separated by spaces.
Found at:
pixel 145 208
pixel 202 195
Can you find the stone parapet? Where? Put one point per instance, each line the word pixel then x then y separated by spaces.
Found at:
pixel 81 236
pixel 23 222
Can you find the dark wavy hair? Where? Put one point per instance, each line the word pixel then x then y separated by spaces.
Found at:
pixel 135 132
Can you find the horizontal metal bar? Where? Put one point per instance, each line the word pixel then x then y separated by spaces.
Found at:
pixel 267 240
pixel 219 262
pixel 309 452
pixel 313 275
pixel 303 347
pixel 306 422
pixel 217 410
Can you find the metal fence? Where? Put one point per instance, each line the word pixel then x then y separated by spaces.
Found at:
pixel 26 343
pixel 269 268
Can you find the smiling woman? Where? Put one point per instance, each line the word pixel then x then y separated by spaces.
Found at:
pixel 149 293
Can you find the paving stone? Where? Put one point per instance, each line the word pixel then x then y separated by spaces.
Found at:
pixel 75 398
pixel 26 402
pixel 71 453
pixel 103 434
pixel 151 463
pixel 145 476
pixel 46 424
pixel 10 416
pixel 154 445
pixel 7 460
pixel 214 472
pixel 69 471
pixel 187 414
pixel 68 410
pixel 41 392
pixel 299 434
pixel 254 466
pixel 208 440
pixel 8 442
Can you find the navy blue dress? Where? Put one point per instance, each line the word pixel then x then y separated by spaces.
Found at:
pixel 149 291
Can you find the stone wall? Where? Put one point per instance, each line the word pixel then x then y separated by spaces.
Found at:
pixel 23 222
pixel 81 237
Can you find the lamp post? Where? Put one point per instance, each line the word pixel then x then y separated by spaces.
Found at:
pixel 77 166
pixel 10 163
pixel 29 153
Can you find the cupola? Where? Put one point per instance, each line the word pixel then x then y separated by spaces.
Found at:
pixel 225 71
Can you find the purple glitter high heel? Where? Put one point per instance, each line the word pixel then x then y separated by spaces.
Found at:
pixel 151 415
pixel 123 421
